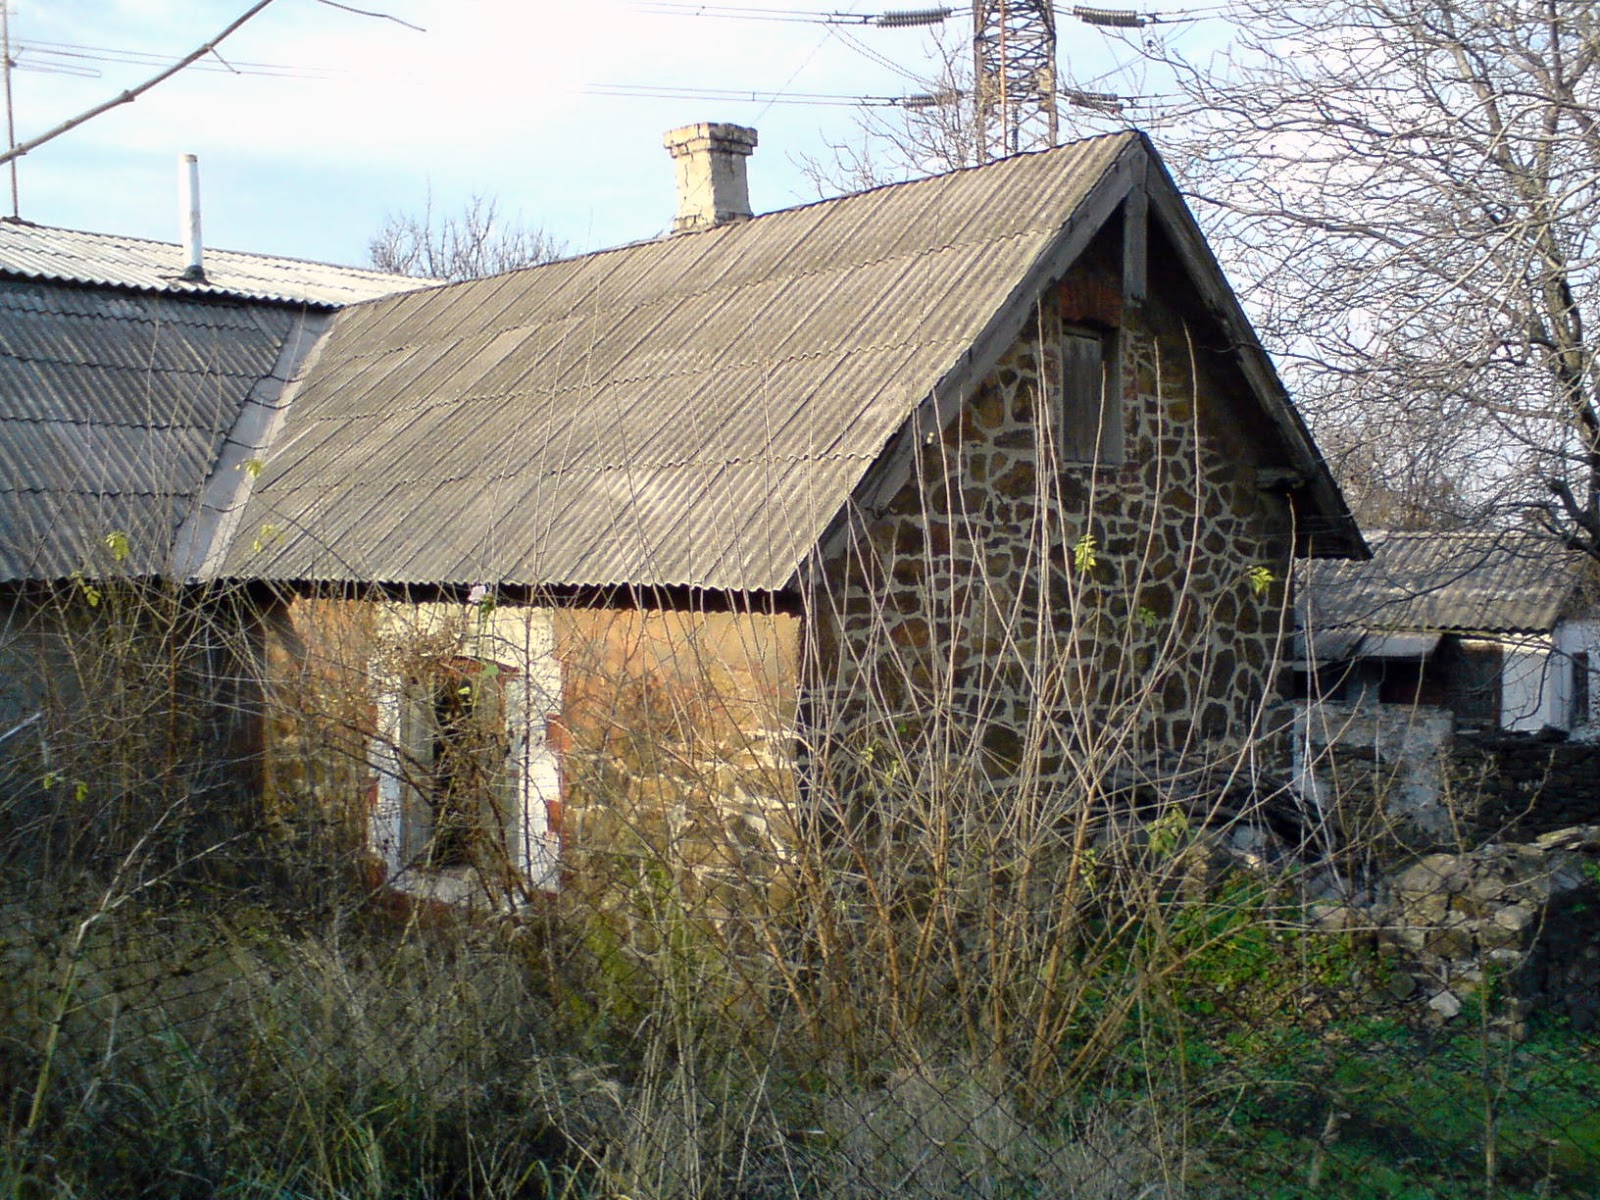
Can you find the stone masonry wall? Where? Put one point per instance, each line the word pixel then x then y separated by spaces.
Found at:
pixel 1377 774
pixel 657 745
pixel 1394 777
pixel 1523 787
pixel 677 738
pixel 1518 918
pixel 1059 612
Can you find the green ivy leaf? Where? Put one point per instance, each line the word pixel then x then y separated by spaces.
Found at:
pixel 1086 553
pixel 1260 580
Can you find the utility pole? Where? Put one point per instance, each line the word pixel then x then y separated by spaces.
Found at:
pixel 6 65
pixel 1014 76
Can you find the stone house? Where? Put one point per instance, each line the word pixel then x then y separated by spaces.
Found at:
pixel 136 383
pixel 1496 626
pixel 983 476
pixel 1437 636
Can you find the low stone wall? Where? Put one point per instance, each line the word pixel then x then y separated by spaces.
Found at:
pixel 1522 919
pixel 1391 776
pixel 1524 786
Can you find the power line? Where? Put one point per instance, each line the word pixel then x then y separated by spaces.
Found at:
pixel 910 18
pixel 866 51
pixel 645 91
pixel 1104 102
pixel 75 52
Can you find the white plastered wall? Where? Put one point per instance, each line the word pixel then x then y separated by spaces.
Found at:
pixel 521 639
pixel 1582 636
pixel 1533 685
pixel 1537 677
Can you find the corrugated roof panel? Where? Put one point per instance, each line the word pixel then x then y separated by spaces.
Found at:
pixel 637 276
pixel 992 275
pixel 688 411
pixel 377 388
pixel 32 391
pixel 459 309
pixel 777 252
pixel 309 533
pixel 329 453
pixel 73 256
pixel 781 534
pixel 591 280
pixel 50 535
pixel 863 397
pixel 1476 582
pixel 115 405
pixel 520 372
pixel 93 460
pixel 139 344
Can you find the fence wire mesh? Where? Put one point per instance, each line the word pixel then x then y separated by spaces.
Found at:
pixel 924 988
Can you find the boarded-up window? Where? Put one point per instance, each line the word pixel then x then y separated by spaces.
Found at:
pixel 1090 413
pixel 461 786
pixel 1475 671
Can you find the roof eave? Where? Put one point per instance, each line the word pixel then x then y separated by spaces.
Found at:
pixel 1333 532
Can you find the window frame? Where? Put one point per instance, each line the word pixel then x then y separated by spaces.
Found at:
pixel 482 840
pixel 1090 416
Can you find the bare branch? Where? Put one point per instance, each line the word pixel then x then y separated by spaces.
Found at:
pixel 475 243
pixel 366 12
pixel 132 94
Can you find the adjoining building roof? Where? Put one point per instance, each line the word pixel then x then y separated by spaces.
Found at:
pixel 40 252
pixel 113 408
pixel 1506 582
pixel 693 411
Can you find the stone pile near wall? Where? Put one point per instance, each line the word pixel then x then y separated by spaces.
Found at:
pixel 1523 786
pixel 1523 918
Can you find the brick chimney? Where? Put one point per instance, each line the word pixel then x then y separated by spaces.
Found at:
pixel 713 188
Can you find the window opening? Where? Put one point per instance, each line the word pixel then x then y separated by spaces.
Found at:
pixel 1090 412
pixel 464 785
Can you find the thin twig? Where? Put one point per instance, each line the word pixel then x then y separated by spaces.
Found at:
pixel 367 12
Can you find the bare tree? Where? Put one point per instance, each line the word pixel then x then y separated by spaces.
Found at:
pixel 1408 192
pixel 933 127
pixel 928 132
pixel 475 243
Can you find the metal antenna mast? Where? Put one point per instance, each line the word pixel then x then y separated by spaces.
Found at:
pixel 6 65
pixel 1014 74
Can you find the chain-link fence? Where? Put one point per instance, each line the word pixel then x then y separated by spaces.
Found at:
pixel 911 981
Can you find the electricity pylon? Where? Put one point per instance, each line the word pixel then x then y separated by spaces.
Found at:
pixel 1014 73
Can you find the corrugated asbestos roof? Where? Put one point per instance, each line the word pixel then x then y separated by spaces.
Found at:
pixel 112 409
pixel 692 411
pixel 1488 582
pixel 72 256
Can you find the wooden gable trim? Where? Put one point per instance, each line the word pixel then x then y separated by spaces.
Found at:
pixel 1326 527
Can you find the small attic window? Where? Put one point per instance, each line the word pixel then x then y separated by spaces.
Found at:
pixel 1089 415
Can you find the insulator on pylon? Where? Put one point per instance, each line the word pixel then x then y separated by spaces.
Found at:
pixel 1104 101
pixel 1114 17
pixel 930 99
pixel 915 16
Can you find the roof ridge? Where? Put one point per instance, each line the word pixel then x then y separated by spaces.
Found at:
pixel 16 223
pixel 1010 161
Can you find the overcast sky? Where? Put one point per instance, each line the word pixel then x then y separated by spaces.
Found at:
pixel 361 116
